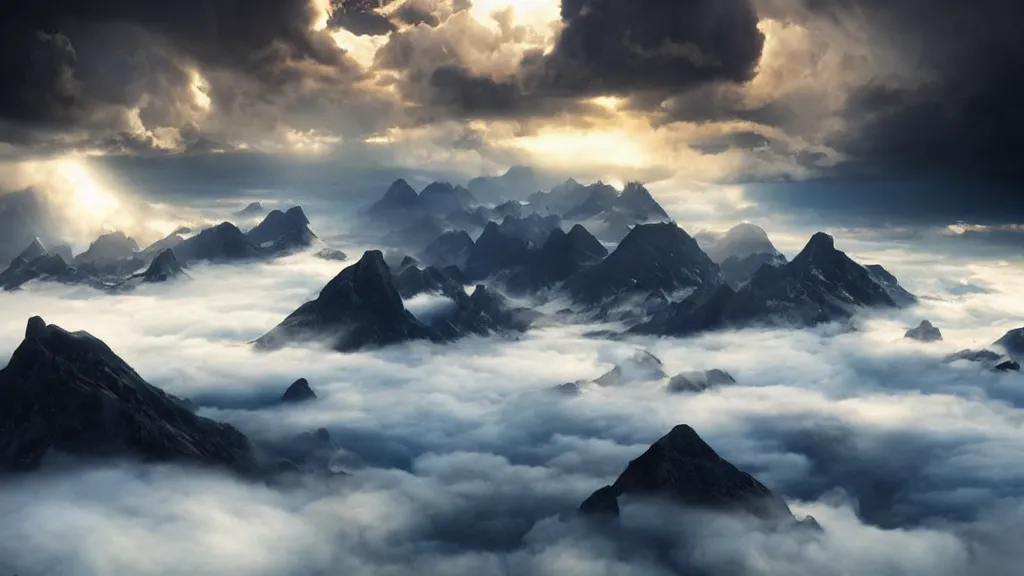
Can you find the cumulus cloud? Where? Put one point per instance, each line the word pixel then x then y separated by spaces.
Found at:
pixel 461 461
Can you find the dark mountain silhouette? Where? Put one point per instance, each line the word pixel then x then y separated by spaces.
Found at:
pixel 413 280
pixel 359 308
pixel 820 285
pixel 602 198
pixel 46 268
pixel 494 252
pixel 1013 343
pixel 441 198
pixel 653 257
pixel 483 313
pixel 108 248
pixel 281 231
pixel 561 256
pixel 221 243
pixel 682 468
pixel 69 393
pixel 163 268
pixel 299 391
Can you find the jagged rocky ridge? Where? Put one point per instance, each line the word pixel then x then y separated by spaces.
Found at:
pixel 820 285
pixel 68 392
pixel 362 307
pixel 682 468
pixel 114 262
pixel 652 258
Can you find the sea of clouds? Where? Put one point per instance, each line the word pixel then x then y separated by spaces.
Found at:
pixel 463 462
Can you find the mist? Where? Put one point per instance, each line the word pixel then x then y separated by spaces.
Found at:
pixel 463 462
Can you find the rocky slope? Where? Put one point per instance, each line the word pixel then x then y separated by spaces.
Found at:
pixel 359 308
pixel 68 392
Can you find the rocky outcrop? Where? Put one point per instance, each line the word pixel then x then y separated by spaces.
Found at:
pixel 299 391
pixel 820 285
pixel 682 468
pixel 69 393
pixel 359 308
pixel 924 332
pixel 699 381
pixel 283 231
pixel 652 258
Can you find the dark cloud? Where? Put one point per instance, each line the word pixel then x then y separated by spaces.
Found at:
pixel 620 47
pixel 964 116
pixel 92 64
pixel 361 17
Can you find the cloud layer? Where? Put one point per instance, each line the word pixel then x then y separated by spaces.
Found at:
pixel 462 461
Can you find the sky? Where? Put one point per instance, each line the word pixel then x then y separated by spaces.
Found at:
pixel 891 124
pixel 463 461
pixel 831 97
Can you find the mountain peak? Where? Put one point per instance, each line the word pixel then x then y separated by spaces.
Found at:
pixel 69 392
pixel 36 328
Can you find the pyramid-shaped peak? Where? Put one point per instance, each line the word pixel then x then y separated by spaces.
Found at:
pixel 297 214
pixel 822 240
pixel 684 440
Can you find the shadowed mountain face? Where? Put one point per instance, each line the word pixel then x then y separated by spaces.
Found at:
pixel 108 248
pixel 682 468
pixel 494 252
pixel 223 242
pixel 1013 343
pixel 283 230
pixel 359 308
pixel 164 267
pixel 561 256
pixel 820 285
pixel 653 257
pixel 69 393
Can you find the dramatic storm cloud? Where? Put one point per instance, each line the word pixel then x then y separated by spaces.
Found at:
pixel 858 92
